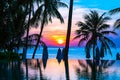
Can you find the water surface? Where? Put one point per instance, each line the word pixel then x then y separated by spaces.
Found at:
pixel 32 69
pixel 74 53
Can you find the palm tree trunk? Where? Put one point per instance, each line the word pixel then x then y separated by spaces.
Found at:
pixel 68 40
pixel 94 61
pixel 94 52
pixel 40 71
pixel 22 23
pixel 40 34
pixel 28 26
pixel 26 66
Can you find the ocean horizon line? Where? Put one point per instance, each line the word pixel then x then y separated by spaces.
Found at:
pixel 74 53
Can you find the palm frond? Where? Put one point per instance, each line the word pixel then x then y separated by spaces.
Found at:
pixel 110 42
pixel 37 14
pixel 62 4
pixel 102 50
pixel 83 26
pixel 88 48
pixel 106 46
pixel 114 11
pixel 81 41
pixel 58 15
pixel 79 24
pixel 104 26
pixel 78 31
pixel 87 18
pixel 101 17
pixel 109 32
pixel 89 24
pixel 103 20
pixel 78 36
pixel 117 24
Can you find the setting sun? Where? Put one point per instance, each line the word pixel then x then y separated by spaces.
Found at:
pixel 60 41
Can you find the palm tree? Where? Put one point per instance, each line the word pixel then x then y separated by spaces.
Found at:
pixel 50 10
pixel 12 14
pixel 24 21
pixel 114 11
pixel 93 31
pixel 68 40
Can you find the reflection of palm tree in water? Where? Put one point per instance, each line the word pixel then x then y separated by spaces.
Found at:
pixel 40 70
pixel 36 65
pixel 89 70
pixel 11 71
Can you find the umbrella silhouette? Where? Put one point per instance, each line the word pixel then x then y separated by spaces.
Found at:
pixel 63 51
pixel 59 55
pixel 45 56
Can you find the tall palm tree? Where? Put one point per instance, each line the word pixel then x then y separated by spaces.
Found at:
pixel 12 14
pixel 68 39
pixel 93 31
pixel 50 10
pixel 29 10
pixel 114 11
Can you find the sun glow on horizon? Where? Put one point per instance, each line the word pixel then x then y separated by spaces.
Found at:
pixel 60 41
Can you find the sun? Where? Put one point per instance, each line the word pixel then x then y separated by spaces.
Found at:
pixel 60 41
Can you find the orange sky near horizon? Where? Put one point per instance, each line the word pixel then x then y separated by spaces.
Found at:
pixel 55 31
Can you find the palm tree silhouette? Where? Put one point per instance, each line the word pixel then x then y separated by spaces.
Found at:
pixel 93 31
pixel 114 11
pixel 18 11
pixel 11 15
pixel 50 10
pixel 32 17
pixel 14 72
pixel 65 58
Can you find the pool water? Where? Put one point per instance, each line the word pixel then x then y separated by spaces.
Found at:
pixel 33 69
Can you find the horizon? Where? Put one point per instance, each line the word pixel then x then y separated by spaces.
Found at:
pixel 55 31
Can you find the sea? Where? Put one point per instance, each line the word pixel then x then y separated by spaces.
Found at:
pixel 74 53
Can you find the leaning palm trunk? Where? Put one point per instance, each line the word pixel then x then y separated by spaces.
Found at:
pixel 28 26
pixel 68 40
pixel 40 34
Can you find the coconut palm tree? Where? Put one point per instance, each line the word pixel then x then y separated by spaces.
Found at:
pixel 11 14
pixel 50 10
pixel 68 40
pixel 93 31
pixel 30 10
pixel 114 11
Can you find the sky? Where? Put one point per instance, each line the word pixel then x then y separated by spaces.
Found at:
pixel 54 34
